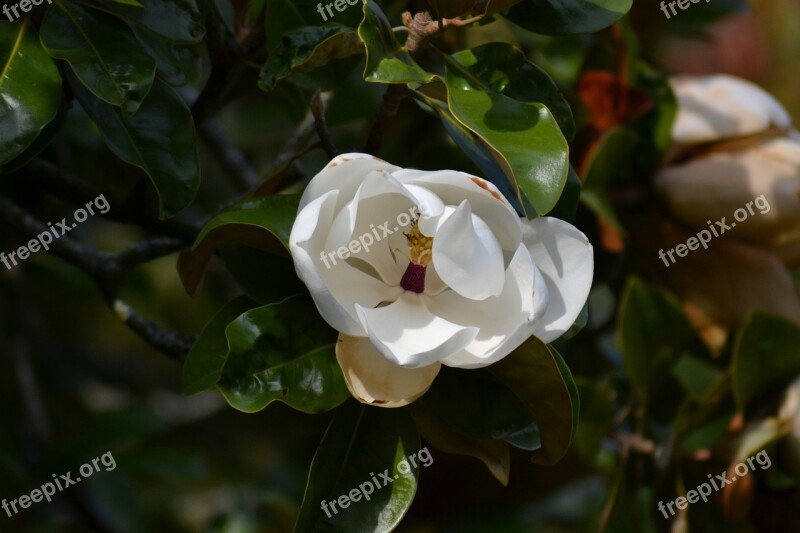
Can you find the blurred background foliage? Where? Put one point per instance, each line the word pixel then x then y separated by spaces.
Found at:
pixel 75 382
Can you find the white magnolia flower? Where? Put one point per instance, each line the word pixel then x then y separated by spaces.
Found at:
pixel 759 156
pixel 464 283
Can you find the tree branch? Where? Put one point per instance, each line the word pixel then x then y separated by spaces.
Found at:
pixel 321 125
pixel 108 271
pixel 390 106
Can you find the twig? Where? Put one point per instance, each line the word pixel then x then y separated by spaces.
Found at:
pixel 233 162
pixel 321 125
pixel 390 106
pixel 108 271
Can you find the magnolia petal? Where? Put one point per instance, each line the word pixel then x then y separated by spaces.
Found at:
pixel 467 255
pixel 505 321
pixel 331 288
pixel 345 174
pixel 717 107
pixel 409 335
pixel 484 198
pixel 374 380
pixel 565 258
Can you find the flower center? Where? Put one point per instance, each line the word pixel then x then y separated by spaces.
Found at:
pixel 419 255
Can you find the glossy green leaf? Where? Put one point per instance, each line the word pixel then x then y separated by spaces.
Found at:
pixel 653 333
pixel 159 139
pixel 765 358
pixel 282 352
pixel 177 64
pixel 566 17
pixel 103 53
pixel 504 69
pixel 361 444
pixel 203 366
pixel 179 21
pixel 304 49
pixel 478 405
pixel 30 88
pixel 387 61
pixel 538 375
pixel 695 375
pixel 533 151
pixel 40 143
pixel 484 157
pixel 495 454
pixel 263 223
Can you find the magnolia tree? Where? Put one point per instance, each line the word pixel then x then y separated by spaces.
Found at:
pixel 501 265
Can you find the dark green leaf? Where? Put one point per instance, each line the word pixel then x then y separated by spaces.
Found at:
pixel 102 52
pixel 264 277
pixel 504 69
pixel 30 88
pixel 534 152
pixel 387 61
pixel 264 223
pixel 476 404
pixel 566 17
pixel 539 377
pixel 495 454
pixel 765 358
pixel 653 333
pixel 282 352
pixel 282 16
pixel 179 21
pixel 159 139
pixel 361 443
pixel 177 64
pixel 42 141
pixel 304 49
pixel 206 359
pixel 596 417
pixel 695 375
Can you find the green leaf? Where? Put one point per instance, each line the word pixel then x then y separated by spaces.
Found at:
pixel 304 49
pixel 361 443
pixel 596 417
pixel 203 366
pixel 695 375
pixel 567 17
pixel 264 223
pixel 159 139
pixel 538 375
pixel 264 277
pixel 495 454
pixel 102 52
pixel 484 157
pixel 282 352
pixel 30 89
pixel 478 405
pixel 42 141
pixel 496 6
pixel 764 358
pixel 504 69
pixel 179 21
pixel 653 333
pixel 610 160
pixel 533 151
pixel 177 64
pixel 387 61
pixel 282 16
